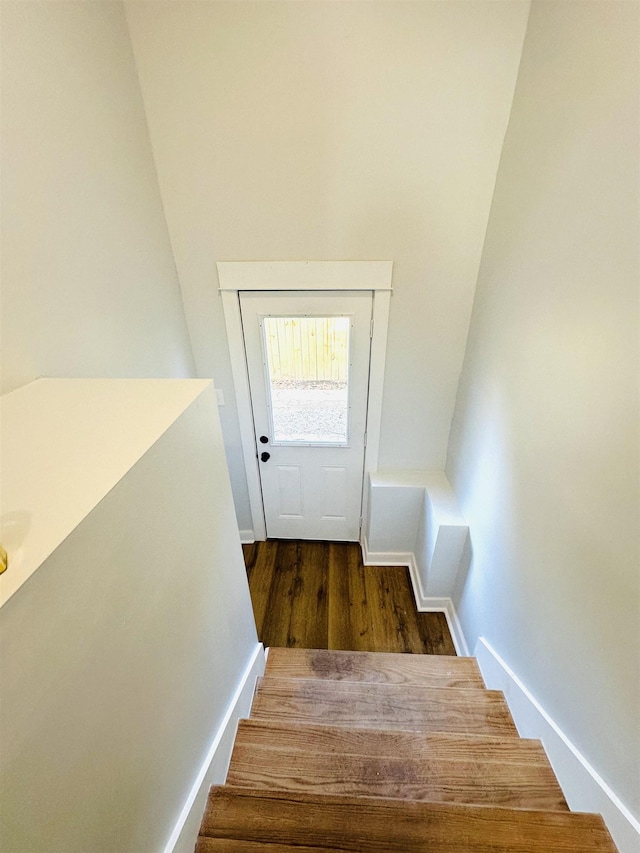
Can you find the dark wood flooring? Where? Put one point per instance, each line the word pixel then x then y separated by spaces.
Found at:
pixel 318 595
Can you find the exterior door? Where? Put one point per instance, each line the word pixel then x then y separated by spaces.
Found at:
pixel 308 366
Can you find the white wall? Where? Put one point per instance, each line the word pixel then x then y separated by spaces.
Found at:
pixel 89 286
pixel 65 443
pixel 413 518
pixel 544 445
pixel 329 131
pixel 121 655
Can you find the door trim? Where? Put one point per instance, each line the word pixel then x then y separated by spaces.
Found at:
pixel 235 276
pixel 304 275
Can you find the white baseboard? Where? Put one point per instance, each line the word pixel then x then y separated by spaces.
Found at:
pixel 214 768
pixel 446 606
pixel 247 537
pixel 583 788
pixel 424 603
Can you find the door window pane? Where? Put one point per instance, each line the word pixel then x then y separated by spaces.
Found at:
pixel 308 373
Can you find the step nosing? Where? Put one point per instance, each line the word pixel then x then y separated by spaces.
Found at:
pixel 422 759
pixel 292 725
pixel 305 797
pixel 341 683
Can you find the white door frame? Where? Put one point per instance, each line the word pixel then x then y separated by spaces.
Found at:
pixel 235 276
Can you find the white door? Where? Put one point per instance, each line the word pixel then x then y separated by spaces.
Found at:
pixel 308 365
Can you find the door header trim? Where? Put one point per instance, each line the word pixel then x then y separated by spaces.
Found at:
pixel 304 275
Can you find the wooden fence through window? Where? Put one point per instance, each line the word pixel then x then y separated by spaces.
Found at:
pixel 307 349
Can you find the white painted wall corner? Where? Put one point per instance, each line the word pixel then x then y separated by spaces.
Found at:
pixel 583 787
pixel 417 513
pixel 214 767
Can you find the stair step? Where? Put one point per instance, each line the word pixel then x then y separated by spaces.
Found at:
pixel 389 668
pixel 398 764
pixel 241 819
pixel 232 845
pixel 383 706
pixel 401 743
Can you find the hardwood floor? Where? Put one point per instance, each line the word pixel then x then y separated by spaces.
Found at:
pixel 318 595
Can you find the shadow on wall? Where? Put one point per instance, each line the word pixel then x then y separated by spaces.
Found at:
pixel 464 568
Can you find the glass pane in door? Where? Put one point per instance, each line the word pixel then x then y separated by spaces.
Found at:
pixel 308 378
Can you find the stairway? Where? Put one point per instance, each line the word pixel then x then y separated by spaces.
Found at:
pixel 356 751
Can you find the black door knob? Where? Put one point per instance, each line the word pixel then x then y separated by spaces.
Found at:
pixel 264 456
pixel 263 439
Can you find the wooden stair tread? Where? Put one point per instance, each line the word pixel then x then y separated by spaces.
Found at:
pixel 356 751
pixel 311 822
pixel 385 667
pixel 364 705
pixel 435 767
pixel 434 781
pixel 400 743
